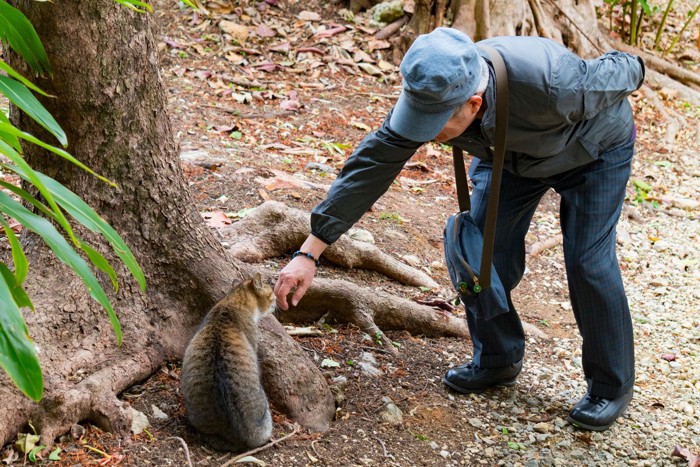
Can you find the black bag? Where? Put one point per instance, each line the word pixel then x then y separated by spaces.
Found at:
pixel 464 243
pixel 468 252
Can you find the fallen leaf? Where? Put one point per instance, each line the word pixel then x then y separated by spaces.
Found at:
pixel 370 69
pixel 330 32
pixel 237 31
pixel 685 453
pixel 283 47
pixel 225 128
pixel 216 219
pixel 309 16
pixel 360 125
pixel 26 442
pixel 267 66
pixel 290 104
pixel 329 363
pixel 264 30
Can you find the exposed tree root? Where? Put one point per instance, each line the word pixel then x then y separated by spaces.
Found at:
pixel 675 72
pixel 372 311
pixel 274 229
pixel 673 122
pixel 93 399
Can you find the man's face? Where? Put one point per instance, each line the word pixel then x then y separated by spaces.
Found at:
pixel 459 122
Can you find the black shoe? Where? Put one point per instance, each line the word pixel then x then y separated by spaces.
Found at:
pixel 469 378
pixel 597 413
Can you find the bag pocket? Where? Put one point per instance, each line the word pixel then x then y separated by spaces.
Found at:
pixel 463 244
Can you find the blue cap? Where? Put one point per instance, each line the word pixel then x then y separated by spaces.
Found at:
pixel 441 70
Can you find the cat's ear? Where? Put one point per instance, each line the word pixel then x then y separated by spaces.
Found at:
pixel 258 281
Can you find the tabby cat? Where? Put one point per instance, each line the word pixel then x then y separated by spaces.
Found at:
pixel 221 382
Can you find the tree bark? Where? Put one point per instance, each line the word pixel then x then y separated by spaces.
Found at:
pixel 111 104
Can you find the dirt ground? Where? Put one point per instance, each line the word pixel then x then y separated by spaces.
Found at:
pixel 302 119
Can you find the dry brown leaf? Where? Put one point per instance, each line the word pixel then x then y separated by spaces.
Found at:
pixel 309 16
pixel 685 453
pixel 264 30
pixel 370 69
pixel 239 32
pixel 216 219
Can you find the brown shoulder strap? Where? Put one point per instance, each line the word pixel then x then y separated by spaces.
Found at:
pixel 498 161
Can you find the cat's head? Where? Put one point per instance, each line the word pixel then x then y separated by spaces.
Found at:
pixel 262 294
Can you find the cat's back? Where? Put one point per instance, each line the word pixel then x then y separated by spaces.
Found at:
pixel 220 372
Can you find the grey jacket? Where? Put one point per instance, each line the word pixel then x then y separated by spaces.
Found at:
pixel 563 113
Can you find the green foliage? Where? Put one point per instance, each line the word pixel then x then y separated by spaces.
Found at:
pixel 18 356
pixel 18 33
pixel 640 14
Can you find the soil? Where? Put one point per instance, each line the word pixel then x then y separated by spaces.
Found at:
pixel 293 122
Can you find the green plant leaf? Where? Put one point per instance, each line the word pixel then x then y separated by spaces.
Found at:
pixel 13 74
pixel 18 356
pixel 19 259
pixel 32 454
pixel 136 5
pixel 85 215
pixel 54 455
pixel 8 138
pixel 63 250
pixel 18 33
pixel 23 98
pixel 34 180
pixel 8 128
pixel 19 295
pixel 101 263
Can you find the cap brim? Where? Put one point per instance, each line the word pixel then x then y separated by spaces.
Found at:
pixel 419 126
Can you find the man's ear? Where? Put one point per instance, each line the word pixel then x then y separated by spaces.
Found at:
pixel 474 103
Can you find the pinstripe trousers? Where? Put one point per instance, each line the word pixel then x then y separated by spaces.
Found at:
pixel 591 202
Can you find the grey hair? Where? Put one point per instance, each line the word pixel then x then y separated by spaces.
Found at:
pixel 483 84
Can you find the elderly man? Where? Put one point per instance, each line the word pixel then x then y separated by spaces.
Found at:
pixel 571 129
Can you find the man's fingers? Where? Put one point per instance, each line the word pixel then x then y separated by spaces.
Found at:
pixel 282 289
pixel 298 293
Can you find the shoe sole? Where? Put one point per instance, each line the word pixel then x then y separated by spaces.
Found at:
pixel 477 390
pixel 586 426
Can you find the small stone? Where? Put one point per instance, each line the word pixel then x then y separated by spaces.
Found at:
pixel 77 431
pixel 476 423
pixel 434 445
pixel 688 409
pixel 388 12
pixel 392 414
pixel 325 168
pixel 139 421
pixel 543 427
pixel 361 235
pixel 159 414
pixel 445 454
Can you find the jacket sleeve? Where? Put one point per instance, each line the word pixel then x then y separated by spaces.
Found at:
pixel 583 88
pixel 367 175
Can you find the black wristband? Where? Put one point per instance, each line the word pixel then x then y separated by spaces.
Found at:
pixel 308 255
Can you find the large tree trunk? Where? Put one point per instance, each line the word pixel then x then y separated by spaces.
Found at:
pixel 110 102
pixel 571 22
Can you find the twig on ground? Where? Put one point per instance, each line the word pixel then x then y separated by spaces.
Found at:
pixel 238 114
pixel 383 448
pixel 314 449
pixel 539 247
pixel 674 122
pixel 391 29
pixel 297 427
pixel 375 349
pixel 184 447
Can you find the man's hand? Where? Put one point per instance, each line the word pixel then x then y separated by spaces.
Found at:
pixel 295 277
